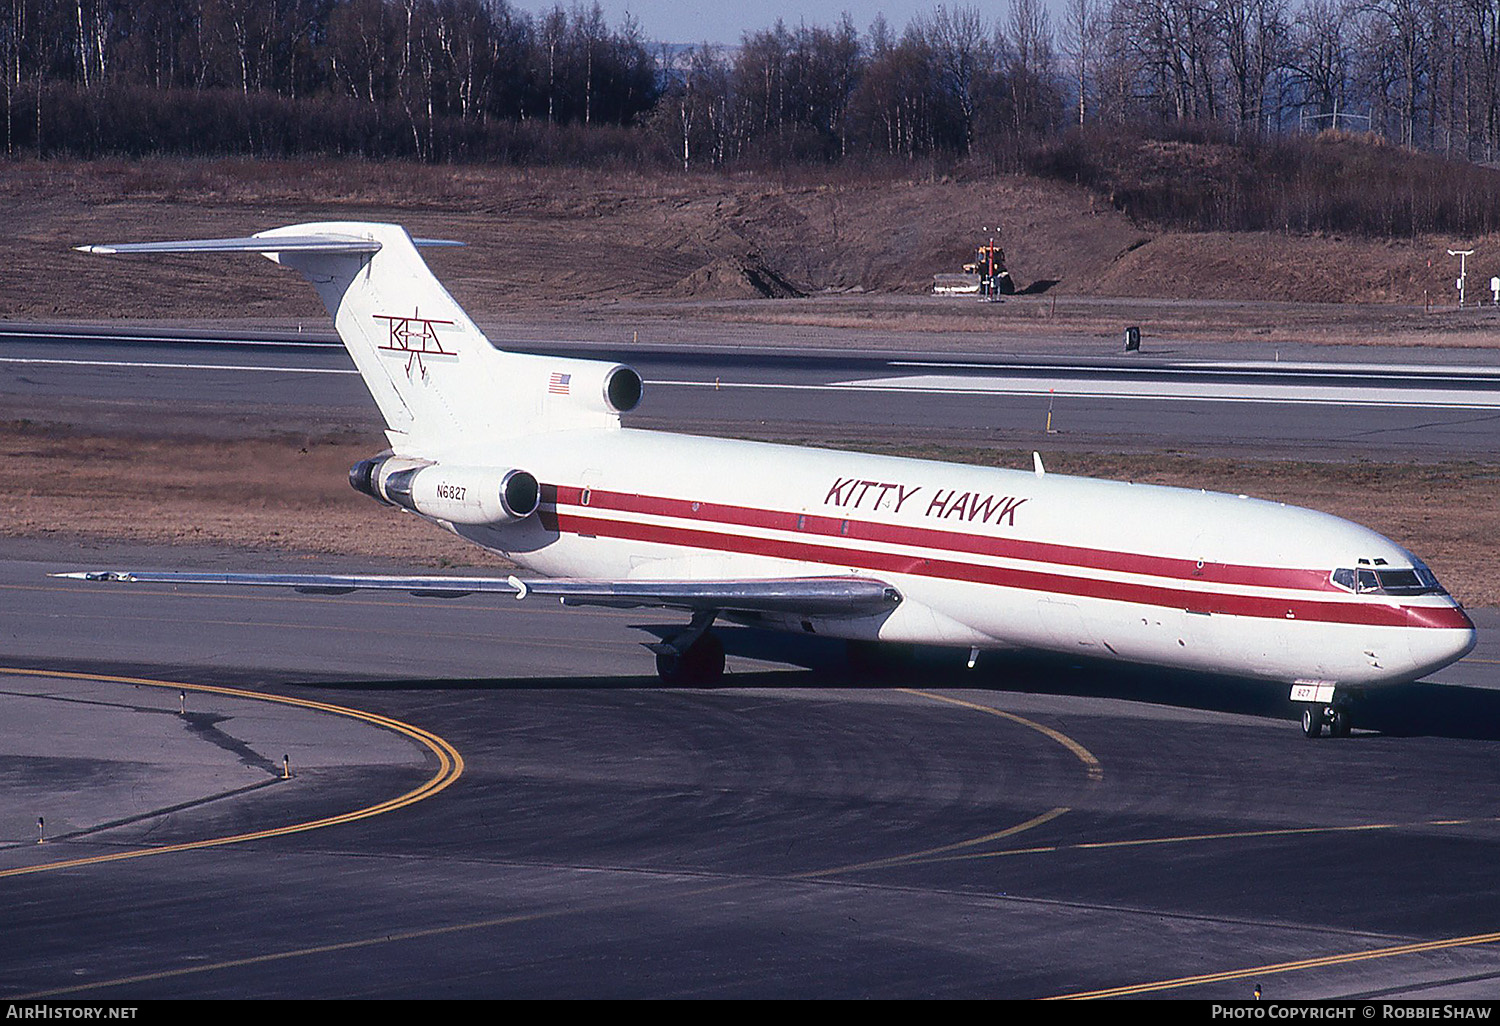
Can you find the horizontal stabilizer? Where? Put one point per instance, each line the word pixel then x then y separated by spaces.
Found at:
pixel 257 244
pixel 810 596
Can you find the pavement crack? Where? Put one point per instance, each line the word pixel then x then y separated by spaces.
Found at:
pixel 205 725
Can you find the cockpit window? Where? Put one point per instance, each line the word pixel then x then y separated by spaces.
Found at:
pixel 1406 582
pixel 1417 580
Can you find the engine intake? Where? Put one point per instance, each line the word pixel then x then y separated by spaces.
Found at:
pixel 622 388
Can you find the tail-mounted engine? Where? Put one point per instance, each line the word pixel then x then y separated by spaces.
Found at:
pixel 459 495
pixel 551 392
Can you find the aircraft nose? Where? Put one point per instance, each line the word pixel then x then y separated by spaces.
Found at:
pixel 1433 648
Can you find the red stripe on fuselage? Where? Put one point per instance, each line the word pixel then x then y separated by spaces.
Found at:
pixel 953 541
pixel 715 516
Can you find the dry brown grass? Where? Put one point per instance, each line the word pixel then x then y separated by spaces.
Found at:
pixel 1099 322
pixel 277 494
pixel 294 497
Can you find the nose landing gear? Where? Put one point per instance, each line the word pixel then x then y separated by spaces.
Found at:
pixel 1335 714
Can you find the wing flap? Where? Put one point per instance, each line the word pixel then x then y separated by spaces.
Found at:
pixel 811 596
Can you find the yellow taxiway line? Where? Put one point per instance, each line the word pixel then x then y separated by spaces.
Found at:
pixel 1082 754
pixel 450 768
pixel 1322 961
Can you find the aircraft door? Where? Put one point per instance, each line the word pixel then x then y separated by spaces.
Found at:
pixel 1065 627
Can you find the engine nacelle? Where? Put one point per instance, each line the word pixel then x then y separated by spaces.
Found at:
pixel 592 385
pixel 457 494
pixel 562 392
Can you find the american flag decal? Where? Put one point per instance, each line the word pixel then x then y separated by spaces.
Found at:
pixel 558 383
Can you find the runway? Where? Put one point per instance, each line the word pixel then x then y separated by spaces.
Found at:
pixel 1030 830
pixel 1380 405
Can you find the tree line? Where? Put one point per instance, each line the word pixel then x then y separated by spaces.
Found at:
pixel 482 79
pixel 1421 73
pixel 420 78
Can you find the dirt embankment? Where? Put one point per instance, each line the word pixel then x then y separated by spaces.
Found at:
pixel 560 236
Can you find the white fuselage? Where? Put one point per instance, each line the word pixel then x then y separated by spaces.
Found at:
pixel 986 558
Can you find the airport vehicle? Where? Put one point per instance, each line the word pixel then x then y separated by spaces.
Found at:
pixel 526 455
pixel 985 275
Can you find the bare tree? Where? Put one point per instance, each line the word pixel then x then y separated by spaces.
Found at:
pixel 1080 43
pixel 1254 35
pixel 965 54
pixel 360 38
pixel 1319 53
pixel 589 33
pixel 12 34
pixel 553 30
pixel 1483 70
pixel 91 21
pixel 1029 65
pixel 1397 50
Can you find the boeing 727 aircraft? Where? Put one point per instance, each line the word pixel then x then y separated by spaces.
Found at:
pixel 525 455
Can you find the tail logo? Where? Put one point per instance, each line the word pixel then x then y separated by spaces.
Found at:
pixel 414 338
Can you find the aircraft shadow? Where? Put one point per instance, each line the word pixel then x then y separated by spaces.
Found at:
pixel 1413 710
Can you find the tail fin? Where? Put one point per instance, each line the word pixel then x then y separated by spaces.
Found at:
pixel 421 357
pixel 438 381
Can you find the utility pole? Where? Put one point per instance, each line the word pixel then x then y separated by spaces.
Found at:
pixel 1463 270
pixel 989 272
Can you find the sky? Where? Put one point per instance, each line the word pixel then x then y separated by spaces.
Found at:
pixel 696 21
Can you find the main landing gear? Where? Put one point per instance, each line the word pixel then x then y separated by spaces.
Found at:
pixel 693 658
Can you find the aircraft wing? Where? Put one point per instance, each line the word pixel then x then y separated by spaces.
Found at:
pixel 813 596
pixel 266 243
